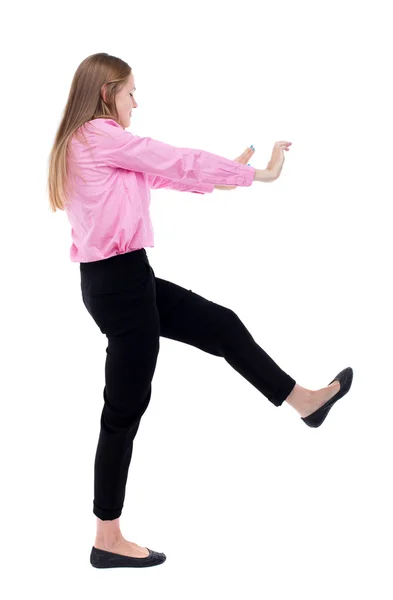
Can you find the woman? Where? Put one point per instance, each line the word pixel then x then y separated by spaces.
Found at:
pixel 101 176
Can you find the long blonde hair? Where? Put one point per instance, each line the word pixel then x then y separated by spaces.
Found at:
pixel 84 104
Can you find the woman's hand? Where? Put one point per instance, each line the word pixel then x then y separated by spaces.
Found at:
pixel 243 159
pixel 273 169
pixel 276 162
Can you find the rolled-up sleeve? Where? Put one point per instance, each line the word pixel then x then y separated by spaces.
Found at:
pixel 201 170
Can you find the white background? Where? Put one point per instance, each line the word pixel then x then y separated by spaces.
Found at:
pixel 245 500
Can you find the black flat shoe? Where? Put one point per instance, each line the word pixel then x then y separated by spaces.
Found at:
pixel 317 418
pixel 102 559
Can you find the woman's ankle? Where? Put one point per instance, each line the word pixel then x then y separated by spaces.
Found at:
pixel 300 398
pixel 108 531
pixel 109 539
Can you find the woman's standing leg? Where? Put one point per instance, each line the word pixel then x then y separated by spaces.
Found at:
pixel 119 294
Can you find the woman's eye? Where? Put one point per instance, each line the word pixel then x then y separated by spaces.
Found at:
pixel 131 94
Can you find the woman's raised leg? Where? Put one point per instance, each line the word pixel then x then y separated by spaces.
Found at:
pixel 192 319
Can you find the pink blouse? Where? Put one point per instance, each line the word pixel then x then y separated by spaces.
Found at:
pixel 112 174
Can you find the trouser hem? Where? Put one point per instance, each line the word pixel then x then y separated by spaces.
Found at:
pixel 106 515
pixel 282 395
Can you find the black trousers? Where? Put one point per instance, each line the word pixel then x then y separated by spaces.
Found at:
pixel 133 308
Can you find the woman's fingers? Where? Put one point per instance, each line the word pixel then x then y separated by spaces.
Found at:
pixel 246 155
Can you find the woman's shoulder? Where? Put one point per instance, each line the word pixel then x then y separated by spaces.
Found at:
pixel 99 126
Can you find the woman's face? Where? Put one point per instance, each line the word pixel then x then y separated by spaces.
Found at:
pixel 125 102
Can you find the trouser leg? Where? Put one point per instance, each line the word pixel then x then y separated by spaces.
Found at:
pixel 189 318
pixel 120 296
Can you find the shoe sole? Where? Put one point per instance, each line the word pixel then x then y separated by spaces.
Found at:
pixel 102 559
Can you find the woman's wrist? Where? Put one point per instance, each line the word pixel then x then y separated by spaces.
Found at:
pixel 264 175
